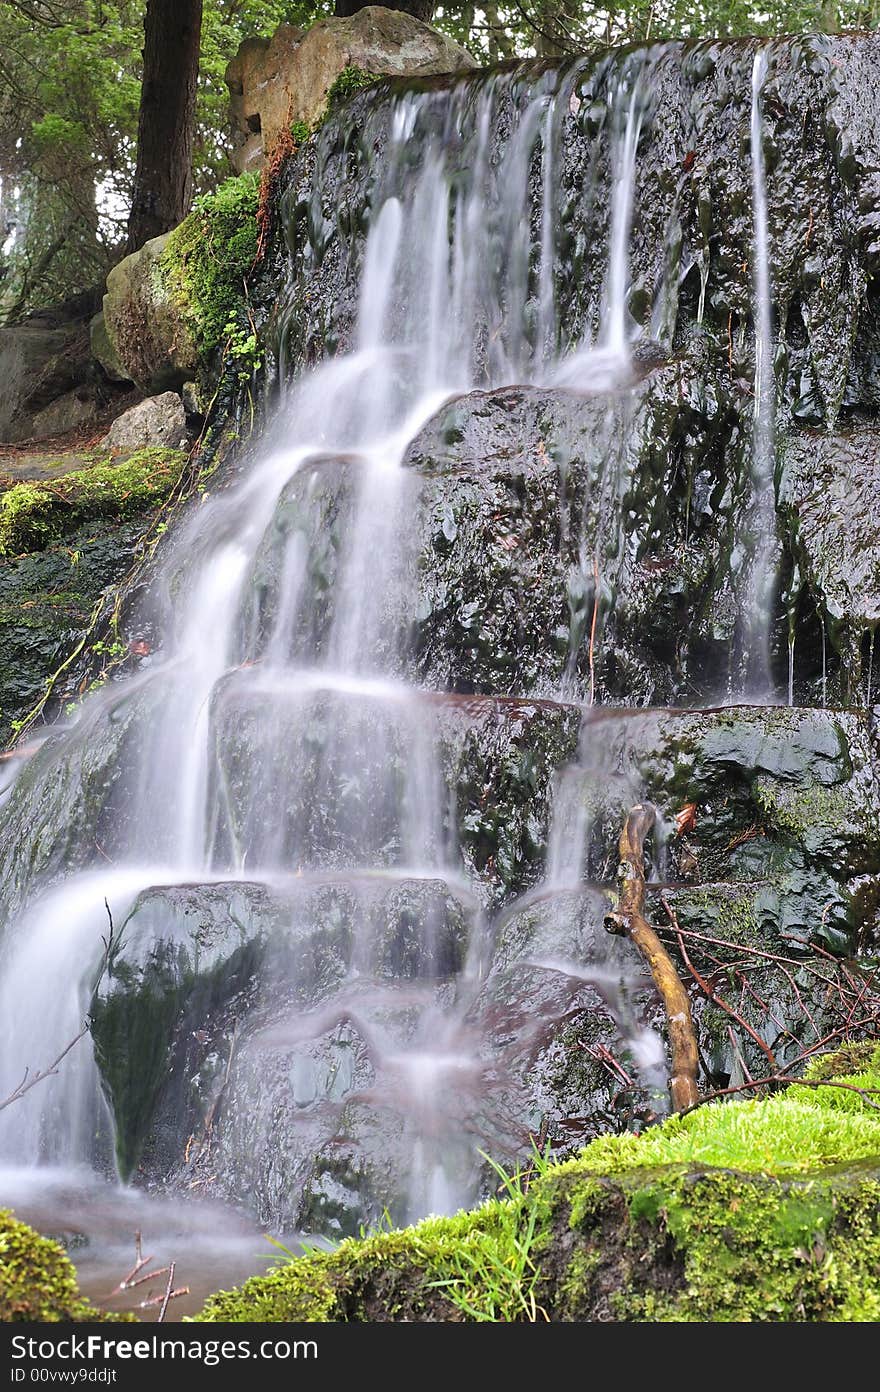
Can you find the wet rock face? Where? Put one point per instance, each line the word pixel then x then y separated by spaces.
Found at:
pixel 522 562
pixel 691 297
pixel 830 491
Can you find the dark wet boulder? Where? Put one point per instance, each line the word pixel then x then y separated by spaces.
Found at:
pixel 830 491
pixel 526 584
pixel 196 970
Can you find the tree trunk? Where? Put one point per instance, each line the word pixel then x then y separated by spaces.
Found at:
pixel 419 9
pixel 166 123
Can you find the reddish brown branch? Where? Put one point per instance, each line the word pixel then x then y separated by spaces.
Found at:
pixel 713 994
pixel 866 1094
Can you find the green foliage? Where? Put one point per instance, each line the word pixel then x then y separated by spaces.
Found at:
pixel 34 514
pixel 206 263
pixel 551 28
pixel 738 1211
pixel 350 80
pixel 69 98
pixel 37 1280
pixel 299 132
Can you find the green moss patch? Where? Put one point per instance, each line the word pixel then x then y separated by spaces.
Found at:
pixel 37 1279
pixel 745 1210
pixel 208 258
pixel 35 514
pixel 350 81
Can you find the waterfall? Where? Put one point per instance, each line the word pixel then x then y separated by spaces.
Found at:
pixel 280 749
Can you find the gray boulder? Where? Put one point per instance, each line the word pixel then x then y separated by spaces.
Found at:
pixel 104 352
pixel 160 420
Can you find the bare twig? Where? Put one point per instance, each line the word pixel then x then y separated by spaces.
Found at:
pixel 778 1079
pixel 30 1080
pixel 592 653
pixel 713 994
pixel 167 1293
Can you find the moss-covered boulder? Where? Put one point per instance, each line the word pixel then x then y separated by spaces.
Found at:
pixel 169 305
pixel 65 538
pixel 746 1210
pixel 37 1280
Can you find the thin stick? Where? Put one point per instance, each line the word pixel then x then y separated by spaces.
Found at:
pixel 29 1081
pixel 167 1293
pixel 150 1276
pixel 719 1000
pixel 777 1078
pixel 593 629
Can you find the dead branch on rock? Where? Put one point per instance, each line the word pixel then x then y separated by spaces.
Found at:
pixel 629 919
pixel 139 1277
pixel 779 1080
pixel 29 1079
pixel 845 987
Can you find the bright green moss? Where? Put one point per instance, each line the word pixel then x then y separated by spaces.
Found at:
pixel 404 1274
pixel 796 1130
pixel 209 257
pixel 350 81
pixel 33 515
pixel 37 1280
pixel 762 1210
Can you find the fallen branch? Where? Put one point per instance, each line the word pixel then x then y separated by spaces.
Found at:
pixel 30 1080
pixel 629 919
pixel 779 1079
pixel 167 1293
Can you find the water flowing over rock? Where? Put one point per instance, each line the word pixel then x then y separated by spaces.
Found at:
pixel 508 560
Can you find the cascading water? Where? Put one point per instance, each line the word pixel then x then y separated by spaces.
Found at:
pixel 762 560
pixel 278 753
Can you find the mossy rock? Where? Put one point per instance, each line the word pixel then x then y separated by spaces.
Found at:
pixel 36 513
pixel 38 1282
pixel 64 541
pixel 744 1210
pixel 170 304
